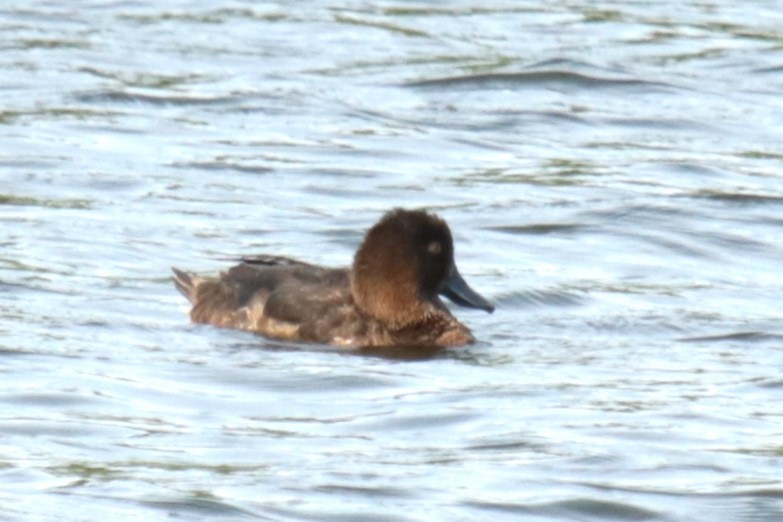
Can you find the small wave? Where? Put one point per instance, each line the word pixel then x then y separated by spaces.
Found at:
pixel 737 197
pixel 735 336
pixel 221 165
pixel 540 298
pixel 539 228
pixel 576 509
pixel 152 99
pixel 534 78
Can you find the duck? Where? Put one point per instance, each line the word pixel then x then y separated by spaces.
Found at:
pixel 390 296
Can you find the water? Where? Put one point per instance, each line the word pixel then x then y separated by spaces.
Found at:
pixel 611 173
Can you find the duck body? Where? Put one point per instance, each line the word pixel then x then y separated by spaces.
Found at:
pixel 389 297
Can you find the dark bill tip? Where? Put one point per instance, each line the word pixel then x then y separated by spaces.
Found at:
pixel 457 290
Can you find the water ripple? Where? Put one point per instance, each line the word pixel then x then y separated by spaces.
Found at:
pixel 534 79
pixel 125 97
pixel 611 176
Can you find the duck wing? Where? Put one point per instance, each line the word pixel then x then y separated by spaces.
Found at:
pixel 275 296
pixel 265 260
pixel 296 300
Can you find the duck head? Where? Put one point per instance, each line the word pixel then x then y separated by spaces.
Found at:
pixel 404 262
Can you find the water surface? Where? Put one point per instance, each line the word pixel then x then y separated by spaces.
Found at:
pixel 611 174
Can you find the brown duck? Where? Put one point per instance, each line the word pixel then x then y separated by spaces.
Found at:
pixel 390 297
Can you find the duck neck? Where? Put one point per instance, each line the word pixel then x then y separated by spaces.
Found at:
pixel 394 301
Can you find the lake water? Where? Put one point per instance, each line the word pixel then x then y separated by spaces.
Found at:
pixel 613 176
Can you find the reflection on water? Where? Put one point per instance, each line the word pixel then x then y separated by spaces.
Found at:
pixel 611 174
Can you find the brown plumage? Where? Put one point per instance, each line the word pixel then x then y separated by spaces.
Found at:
pixel 388 298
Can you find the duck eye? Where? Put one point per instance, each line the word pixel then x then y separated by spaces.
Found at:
pixel 434 248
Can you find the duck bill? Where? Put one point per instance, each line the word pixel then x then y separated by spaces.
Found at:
pixel 457 290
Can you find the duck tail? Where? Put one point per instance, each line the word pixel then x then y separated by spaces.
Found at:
pixel 185 284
